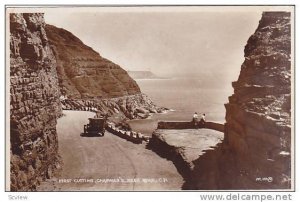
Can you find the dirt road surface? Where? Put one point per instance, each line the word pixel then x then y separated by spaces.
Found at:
pixel 107 163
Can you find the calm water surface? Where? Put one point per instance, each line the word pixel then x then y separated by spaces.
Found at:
pixel 185 96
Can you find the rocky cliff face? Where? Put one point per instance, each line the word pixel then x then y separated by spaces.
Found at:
pixel 137 106
pixel 83 73
pixel 34 103
pixel 51 70
pixel 258 114
pixel 256 152
pixel 90 82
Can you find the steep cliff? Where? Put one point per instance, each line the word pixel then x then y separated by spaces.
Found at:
pixel 258 114
pixel 51 70
pixel 90 82
pixel 83 73
pixel 34 103
pixel 256 151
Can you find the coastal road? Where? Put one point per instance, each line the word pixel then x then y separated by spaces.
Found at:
pixel 107 163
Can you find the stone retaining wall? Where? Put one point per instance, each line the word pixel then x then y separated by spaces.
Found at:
pixel 189 125
pixel 131 136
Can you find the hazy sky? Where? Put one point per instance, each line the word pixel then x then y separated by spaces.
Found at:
pixel 167 43
pixel 206 42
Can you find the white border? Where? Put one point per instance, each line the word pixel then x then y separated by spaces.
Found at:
pixel 128 196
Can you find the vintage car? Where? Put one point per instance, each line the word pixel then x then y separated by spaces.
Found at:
pixel 95 127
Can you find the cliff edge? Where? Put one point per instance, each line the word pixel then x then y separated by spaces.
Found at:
pixel 34 103
pixel 83 73
pixel 258 114
pixel 90 82
pixel 256 151
pixel 50 70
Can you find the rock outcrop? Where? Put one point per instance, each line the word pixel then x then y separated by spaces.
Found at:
pixel 138 106
pixel 256 152
pixel 34 103
pixel 258 114
pixel 51 70
pixel 90 82
pixel 83 73
pixel 184 147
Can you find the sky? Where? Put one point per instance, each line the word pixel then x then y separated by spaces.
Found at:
pixel 175 42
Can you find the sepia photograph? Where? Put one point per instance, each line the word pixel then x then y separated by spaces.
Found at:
pixel 149 98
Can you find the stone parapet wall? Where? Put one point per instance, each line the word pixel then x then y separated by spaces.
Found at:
pixel 189 125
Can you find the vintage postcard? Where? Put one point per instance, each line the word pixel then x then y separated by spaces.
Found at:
pixel 141 98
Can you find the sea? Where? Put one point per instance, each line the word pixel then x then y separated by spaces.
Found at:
pixel 184 96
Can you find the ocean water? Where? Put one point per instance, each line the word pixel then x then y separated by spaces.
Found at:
pixel 185 96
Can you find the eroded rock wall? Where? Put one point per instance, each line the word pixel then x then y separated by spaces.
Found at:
pixel 83 73
pixel 138 106
pixel 258 114
pixel 256 151
pixel 90 82
pixel 34 103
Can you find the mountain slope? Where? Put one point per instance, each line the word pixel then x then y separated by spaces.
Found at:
pixel 83 73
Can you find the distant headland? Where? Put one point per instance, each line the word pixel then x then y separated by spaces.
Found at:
pixel 144 75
